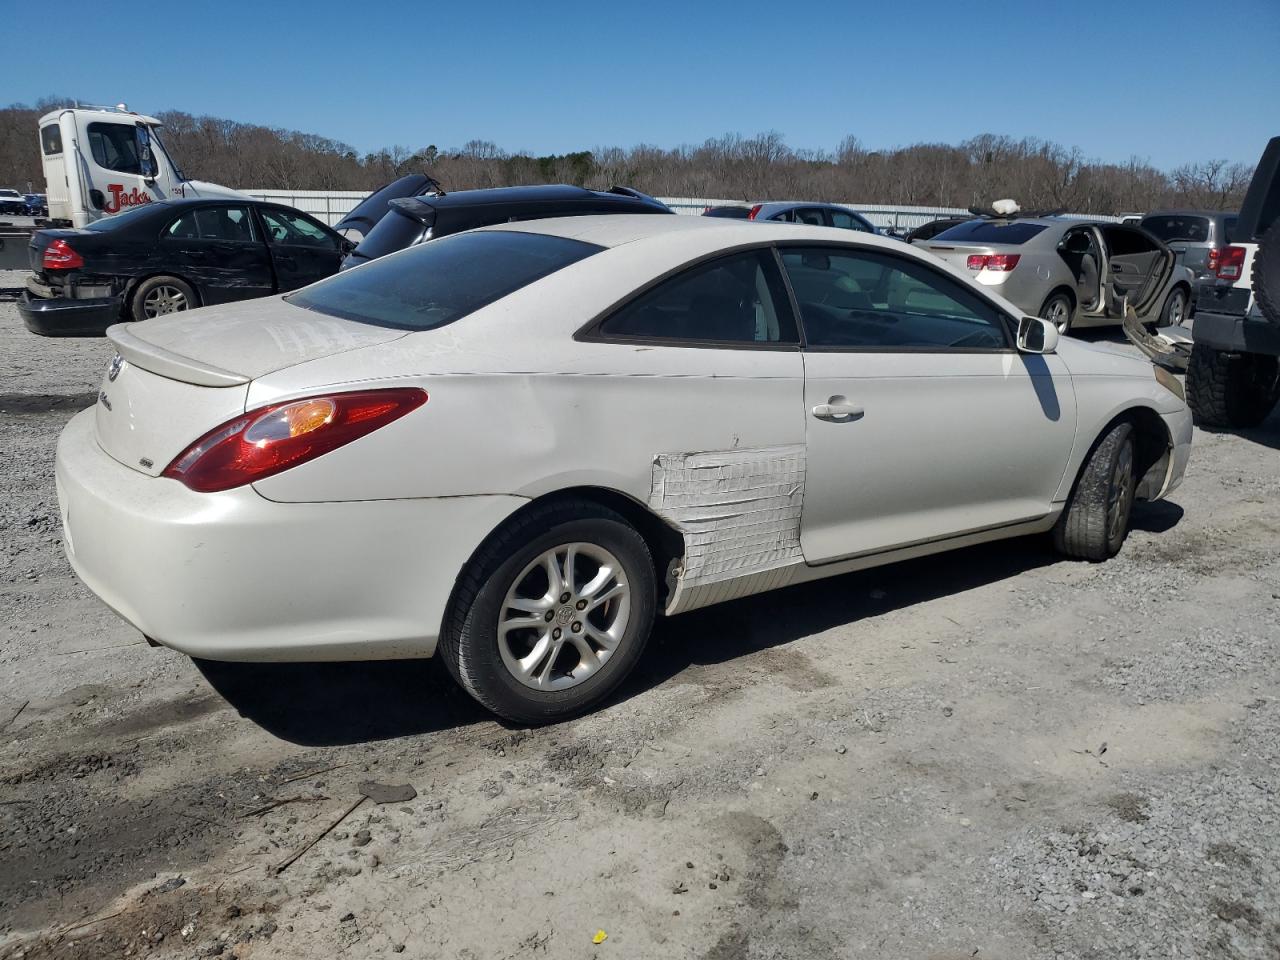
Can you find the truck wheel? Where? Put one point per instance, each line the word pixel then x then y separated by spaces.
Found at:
pixel 157 296
pixel 1096 519
pixel 552 613
pixel 1266 273
pixel 1234 390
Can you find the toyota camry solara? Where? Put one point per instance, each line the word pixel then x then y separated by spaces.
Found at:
pixel 517 446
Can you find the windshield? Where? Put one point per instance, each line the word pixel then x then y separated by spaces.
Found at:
pixel 436 283
pixel 1169 227
pixel 991 231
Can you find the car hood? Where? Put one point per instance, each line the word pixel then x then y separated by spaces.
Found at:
pixel 1102 359
pixel 238 342
pixel 357 224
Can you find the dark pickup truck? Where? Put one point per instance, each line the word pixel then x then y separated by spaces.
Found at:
pixel 168 256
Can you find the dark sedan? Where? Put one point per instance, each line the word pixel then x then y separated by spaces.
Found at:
pixel 402 222
pixel 168 256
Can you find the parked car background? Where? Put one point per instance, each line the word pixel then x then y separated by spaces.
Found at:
pixel 729 211
pixel 1076 273
pixel 510 473
pixel 1198 237
pixel 12 202
pixel 168 256
pixel 37 204
pixel 928 231
pixel 814 214
pixel 417 219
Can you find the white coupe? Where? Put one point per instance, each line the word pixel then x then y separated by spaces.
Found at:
pixel 516 446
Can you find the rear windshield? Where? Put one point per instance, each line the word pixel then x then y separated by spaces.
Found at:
pixel 438 282
pixel 733 213
pixel 119 220
pixel 1229 229
pixel 1178 228
pixel 393 232
pixel 990 231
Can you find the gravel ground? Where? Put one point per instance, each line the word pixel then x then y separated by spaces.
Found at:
pixel 991 754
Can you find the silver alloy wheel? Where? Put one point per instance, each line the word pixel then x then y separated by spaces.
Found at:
pixel 1059 314
pixel 564 616
pixel 1121 492
pixel 164 299
pixel 1177 308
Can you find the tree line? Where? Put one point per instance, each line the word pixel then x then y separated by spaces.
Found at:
pixel 1039 174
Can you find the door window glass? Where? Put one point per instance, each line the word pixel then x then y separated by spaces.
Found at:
pixel 287 227
pixel 860 299
pixel 1122 242
pixel 228 224
pixel 846 221
pixel 115 147
pixel 731 300
pixel 811 215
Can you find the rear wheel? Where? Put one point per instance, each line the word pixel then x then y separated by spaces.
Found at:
pixel 552 614
pixel 158 296
pixel 1175 308
pixel 1058 310
pixel 1096 519
pixel 1236 390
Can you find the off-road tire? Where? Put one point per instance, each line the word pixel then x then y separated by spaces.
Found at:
pixel 1266 273
pixel 1233 390
pixel 1083 530
pixel 136 311
pixel 469 640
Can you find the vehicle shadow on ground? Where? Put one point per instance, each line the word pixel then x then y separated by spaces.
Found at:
pixel 1267 434
pixel 332 704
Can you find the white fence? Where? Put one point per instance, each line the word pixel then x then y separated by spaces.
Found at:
pixel 331 205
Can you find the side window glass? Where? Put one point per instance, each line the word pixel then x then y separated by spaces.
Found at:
pixel 115 147
pixel 286 227
pixel 736 299
pixel 846 221
pixel 811 215
pixel 229 224
pixel 863 299
pixel 51 139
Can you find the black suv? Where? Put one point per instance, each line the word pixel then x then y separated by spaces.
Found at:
pixel 407 220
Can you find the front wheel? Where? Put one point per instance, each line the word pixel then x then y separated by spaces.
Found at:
pixel 1058 310
pixel 552 614
pixel 1095 522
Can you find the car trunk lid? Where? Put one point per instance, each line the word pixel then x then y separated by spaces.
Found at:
pixel 357 224
pixel 177 377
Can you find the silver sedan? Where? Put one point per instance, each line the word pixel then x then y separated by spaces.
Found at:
pixel 1075 273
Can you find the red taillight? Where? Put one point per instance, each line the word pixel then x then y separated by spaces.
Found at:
pixel 270 439
pixel 1231 263
pixel 1215 257
pixel 59 256
pixel 754 211
pixel 997 262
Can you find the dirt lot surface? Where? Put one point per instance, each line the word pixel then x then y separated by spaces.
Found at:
pixel 990 754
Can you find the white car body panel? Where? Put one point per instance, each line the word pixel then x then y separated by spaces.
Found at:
pixel 355 554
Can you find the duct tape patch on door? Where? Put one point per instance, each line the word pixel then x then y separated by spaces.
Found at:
pixel 739 514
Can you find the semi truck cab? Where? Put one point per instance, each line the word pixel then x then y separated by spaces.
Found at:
pixel 99 161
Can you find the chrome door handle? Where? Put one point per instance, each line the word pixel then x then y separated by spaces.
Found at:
pixel 838 410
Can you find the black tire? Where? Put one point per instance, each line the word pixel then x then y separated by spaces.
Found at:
pixel 137 303
pixel 1233 390
pixel 1055 303
pixel 1087 529
pixel 469 641
pixel 1166 315
pixel 1266 273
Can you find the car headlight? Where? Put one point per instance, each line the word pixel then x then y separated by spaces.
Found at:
pixel 1170 382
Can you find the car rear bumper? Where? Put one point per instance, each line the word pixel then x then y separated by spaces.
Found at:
pixel 234 576
pixel 1235 333
pixel 62 317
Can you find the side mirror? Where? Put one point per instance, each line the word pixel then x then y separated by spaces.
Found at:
pixel 1036 335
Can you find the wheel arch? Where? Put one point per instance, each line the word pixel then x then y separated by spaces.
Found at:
pixel 666 543
pixel 1063 289
pixel 1153 449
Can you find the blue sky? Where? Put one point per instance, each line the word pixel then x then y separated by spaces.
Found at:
pixel 1117 78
